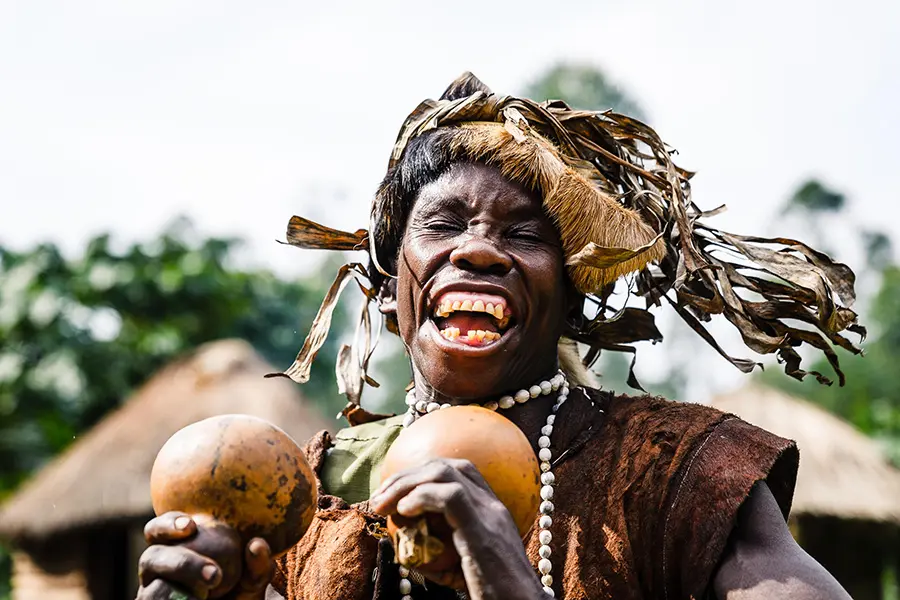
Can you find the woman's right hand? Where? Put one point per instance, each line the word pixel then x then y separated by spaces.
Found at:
pixel 189 558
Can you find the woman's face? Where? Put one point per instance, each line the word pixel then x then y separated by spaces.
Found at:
pixel 481 287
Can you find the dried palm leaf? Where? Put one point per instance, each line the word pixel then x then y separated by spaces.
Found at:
pixel 621 205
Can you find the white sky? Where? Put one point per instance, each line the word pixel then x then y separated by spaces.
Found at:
pixel 120 115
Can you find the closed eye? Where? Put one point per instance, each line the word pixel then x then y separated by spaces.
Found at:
pixel 442 225
pixel 526 234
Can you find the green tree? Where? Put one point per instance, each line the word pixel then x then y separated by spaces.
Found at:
pixel 814 197
pixel 582 86
pixel 870 400
pixel 79 335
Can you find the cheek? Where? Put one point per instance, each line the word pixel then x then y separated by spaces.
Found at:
pixel 549 281
pixel 412 268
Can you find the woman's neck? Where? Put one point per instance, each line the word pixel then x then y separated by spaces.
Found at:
pixel 529 416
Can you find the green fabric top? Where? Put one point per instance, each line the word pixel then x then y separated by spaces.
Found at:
pixel 353 463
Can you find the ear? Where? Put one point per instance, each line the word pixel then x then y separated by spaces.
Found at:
pixel 387 304
pixel 387 297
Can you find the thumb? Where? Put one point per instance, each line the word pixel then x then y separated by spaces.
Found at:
pixel 260 566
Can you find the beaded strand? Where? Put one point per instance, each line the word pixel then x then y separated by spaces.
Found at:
pixel 418 408
pixel 557 383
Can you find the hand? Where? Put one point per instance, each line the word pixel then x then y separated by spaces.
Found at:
pixel 493 560
pixel 196 558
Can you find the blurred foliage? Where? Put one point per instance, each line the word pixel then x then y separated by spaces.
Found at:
pixel 871 398
pixel 581 86
pixel 879 249
pixel 80 335
pixel 813 197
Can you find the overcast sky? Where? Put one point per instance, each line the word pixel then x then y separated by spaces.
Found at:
pixel 116 116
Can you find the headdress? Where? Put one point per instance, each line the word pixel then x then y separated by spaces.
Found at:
pixel 621 207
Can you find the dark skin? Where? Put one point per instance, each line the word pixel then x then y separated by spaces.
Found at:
pixel 474 230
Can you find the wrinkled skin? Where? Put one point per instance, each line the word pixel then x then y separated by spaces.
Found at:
pixel 169 570
pixel 475 229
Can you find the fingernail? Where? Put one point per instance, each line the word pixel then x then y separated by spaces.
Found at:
pixel 182 522
pixel 255 548
pixel 210 572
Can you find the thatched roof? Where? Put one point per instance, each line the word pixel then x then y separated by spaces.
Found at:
pixel 105 475
pixel 842 474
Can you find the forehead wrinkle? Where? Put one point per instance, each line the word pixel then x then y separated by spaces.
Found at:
pixel 467 186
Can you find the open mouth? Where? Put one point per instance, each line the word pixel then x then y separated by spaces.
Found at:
pixel 472 318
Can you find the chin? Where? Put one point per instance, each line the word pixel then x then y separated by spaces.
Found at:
pixel 464 372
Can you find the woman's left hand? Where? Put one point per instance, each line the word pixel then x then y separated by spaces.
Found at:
pixel 494 563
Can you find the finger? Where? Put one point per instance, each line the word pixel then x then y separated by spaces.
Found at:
pixel 457 464
pixel 384 501
pixel 450 499
pixel 179 565
pixel 160 590
pixel 469 470
pixel 260 566
pixel 170 527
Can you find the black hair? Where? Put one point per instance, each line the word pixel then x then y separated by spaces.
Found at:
pixel 425 158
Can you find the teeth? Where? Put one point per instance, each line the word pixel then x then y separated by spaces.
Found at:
pixel 451 333
pixel 473 335
pixel 498 311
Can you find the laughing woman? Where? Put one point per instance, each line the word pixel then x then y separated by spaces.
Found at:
pixel 496 239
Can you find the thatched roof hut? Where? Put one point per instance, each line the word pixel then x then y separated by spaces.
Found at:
pixel 100 486
pixel 846 510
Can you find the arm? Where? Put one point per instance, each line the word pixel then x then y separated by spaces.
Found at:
pixel 763 561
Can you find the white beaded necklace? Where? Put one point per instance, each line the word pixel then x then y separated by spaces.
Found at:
pixel 557 382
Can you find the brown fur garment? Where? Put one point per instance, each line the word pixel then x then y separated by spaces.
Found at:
pixel 582 212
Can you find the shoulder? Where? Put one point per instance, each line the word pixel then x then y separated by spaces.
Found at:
pixel 697 441
pixel 693 466
pixel 635 412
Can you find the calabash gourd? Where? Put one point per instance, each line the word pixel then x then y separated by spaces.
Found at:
pixel 241 475
pixel 494 445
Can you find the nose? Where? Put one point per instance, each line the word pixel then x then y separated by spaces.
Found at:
pixel 480 254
